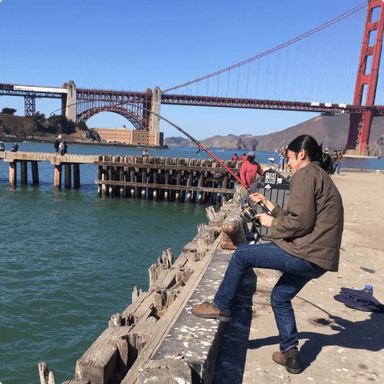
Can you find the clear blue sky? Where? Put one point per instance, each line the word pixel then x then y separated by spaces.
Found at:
pixel 125 44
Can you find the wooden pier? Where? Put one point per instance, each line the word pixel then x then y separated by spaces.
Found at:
pixel 164 178
pixel 155 178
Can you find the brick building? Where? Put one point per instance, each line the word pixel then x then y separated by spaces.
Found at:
pixel 130 136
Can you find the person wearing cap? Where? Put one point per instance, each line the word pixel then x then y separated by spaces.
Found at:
pixel 57 144
pixel 250 169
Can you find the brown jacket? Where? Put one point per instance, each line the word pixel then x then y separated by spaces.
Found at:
pixel 312 226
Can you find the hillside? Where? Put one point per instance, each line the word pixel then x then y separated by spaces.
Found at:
pixel 38 127
pixel 332 131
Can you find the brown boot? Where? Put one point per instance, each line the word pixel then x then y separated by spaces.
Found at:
pixel 289 359
pixel 210 311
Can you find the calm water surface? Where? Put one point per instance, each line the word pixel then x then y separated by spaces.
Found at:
pixel 69 259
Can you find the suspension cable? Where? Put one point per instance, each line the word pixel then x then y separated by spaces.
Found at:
pixel 281 46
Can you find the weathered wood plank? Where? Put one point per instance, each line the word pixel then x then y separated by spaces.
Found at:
pixel 168 319
pixel 46 376
pixel 99 362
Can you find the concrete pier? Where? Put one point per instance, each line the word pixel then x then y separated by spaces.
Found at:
pixel 338 344
pixel 68 161
pixel 169 345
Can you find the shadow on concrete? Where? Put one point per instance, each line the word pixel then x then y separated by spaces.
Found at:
pixel 360 335
pixel 232 354
pixel 363 335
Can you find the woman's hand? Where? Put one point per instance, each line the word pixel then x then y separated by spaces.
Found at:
pixel 257 198
pixel 264 219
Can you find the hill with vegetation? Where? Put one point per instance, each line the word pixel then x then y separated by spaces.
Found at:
pixel 331 130
pixel 37 126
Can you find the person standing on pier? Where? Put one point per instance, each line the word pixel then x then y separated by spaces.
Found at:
pixel 63 147
pixel 243 157
pixel 305 243
pixel 235 157
pixel 338 160
pixel 57 145
pixel 283 155
pixel 250 169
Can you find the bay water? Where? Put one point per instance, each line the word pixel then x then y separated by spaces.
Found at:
pixel 70 259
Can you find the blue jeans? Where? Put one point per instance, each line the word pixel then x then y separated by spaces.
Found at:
pixel 336 168
pixel 297 273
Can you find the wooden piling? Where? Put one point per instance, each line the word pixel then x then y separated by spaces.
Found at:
pixel 35 172
pixel 67 175
pixel 57 177
pixel 110 178
pixel 12 173
pixel 104 177
pixel 132 180
pixel 99 176
pixel 76 176
pixel 23 172
pixel 46 376
pixel 155 181
pixel 121 177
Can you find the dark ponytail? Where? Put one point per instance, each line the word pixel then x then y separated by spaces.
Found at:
pixel 313 150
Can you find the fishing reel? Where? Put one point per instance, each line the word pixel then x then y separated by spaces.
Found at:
pixel 249 215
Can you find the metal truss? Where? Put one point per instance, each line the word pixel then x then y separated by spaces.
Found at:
pixel 29 105
pixel 134 106
pixel 8 89
pixel 265 104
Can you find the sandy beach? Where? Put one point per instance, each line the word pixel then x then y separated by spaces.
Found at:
pixel 337 344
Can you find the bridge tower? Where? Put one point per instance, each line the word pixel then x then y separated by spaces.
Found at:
pixel 154 118
pixel 69 101
pixel 366 80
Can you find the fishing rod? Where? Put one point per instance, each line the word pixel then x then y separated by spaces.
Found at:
pixel 203 147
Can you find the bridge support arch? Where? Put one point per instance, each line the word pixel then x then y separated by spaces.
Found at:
pixel 360 124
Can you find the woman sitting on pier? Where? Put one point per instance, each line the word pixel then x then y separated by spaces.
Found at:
pixel 306 241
